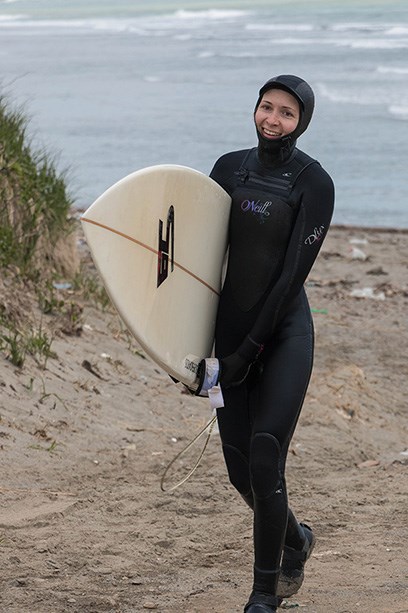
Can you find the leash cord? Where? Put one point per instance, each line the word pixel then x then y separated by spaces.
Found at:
pixel 209 426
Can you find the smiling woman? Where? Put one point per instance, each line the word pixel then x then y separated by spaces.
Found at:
pixel 277 114
pixel 282 203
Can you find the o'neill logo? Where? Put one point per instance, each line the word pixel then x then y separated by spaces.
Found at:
pixel 165 248
pixel 317 235
pixel 257 208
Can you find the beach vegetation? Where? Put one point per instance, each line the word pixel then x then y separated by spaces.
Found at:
pixel 37 242
pixel 50 449
pixel 35 206
pixel 18 340
pixel 90 287
pixel 43 279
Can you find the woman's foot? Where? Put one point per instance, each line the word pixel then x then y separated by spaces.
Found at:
pixel 293 564
pixel 262 603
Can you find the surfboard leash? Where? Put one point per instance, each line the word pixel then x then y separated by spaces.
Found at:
pixel 209 426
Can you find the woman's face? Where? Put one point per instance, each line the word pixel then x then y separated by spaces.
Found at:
pixel 277 114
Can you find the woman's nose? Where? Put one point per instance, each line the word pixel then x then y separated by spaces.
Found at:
pixel 273 118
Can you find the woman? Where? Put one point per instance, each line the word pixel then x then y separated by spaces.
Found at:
pixel 282 204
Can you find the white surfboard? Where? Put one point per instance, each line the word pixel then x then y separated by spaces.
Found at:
pixel 158 238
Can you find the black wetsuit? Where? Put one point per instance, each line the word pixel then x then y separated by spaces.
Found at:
pixel 281 211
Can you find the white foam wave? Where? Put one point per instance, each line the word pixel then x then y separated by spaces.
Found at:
pixel 241 54
pixel 352 43
pixel 113 25
pixel 400 112
pixel 283 27
pixel 379 43
pixel 206 54
pixel 373 95
pixel 339 95
pixel 289 40
pixel 398 31
pixel 152 25
pixel 358 26
pixel 386 35
pixel 183 37
pixel 21 22
pixel 392 70
pixel 211 14
pixel 152 79
pixel 4 19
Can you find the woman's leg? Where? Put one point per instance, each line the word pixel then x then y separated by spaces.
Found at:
pixel 256 426
pixel 275 405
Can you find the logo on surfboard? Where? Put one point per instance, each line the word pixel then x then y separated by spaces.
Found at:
pixel 166 248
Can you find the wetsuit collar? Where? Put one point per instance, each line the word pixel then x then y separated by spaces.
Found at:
pixel 274 153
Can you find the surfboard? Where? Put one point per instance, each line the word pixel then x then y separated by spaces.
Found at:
pixel 158 238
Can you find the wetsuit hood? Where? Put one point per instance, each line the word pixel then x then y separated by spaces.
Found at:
pixel 282 148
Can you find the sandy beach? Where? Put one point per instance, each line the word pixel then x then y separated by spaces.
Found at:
pixel 86 436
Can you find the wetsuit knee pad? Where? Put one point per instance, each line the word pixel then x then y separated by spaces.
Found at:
pixel 238 469
pixel 265 464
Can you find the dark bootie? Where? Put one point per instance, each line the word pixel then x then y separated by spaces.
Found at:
pixel 263 598
pixel 293 565
pixel 260 602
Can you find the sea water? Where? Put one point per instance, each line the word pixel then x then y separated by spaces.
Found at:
pixel 111 87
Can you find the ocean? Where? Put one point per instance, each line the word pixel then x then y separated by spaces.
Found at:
pixel 112 87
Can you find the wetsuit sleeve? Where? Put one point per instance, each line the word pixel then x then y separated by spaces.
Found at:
pixel 311 226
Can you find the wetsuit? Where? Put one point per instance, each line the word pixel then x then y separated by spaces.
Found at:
pixel 282 204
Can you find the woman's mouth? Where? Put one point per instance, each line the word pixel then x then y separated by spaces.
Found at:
pixel 271 133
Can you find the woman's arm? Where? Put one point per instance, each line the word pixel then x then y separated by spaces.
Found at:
pixel 311 226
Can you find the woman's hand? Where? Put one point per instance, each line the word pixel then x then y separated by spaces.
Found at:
pixel 235 367
pixel 233 370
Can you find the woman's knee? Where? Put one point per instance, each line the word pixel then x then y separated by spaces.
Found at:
pixel 266 462
pixel 262 474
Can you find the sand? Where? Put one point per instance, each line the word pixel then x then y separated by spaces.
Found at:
pixel 86 435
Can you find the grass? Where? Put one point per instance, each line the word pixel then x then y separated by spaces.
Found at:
pixel 29 191
pixel 17 341
pixel 37 248
pixel 90 288
pixel 35 205
pixel 35 215
pixel 51 448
